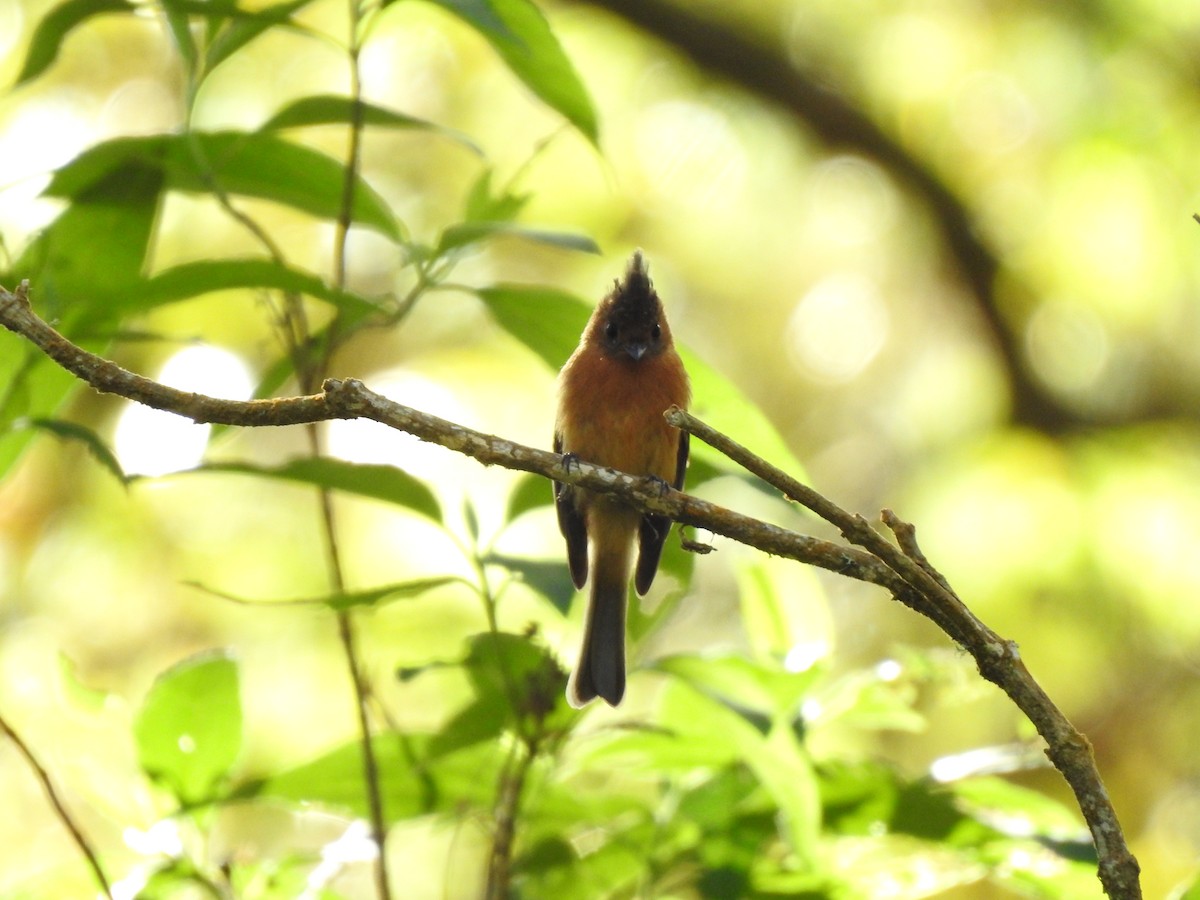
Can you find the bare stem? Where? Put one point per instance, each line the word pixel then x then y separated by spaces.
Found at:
pixel 60 808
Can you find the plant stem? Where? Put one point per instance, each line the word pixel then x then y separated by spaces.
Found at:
pixel 59 808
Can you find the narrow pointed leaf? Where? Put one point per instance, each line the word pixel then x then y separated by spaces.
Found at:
pixel 55 27
pixel 467 233
pixel 245 27
pixel 73 431
pixel 343 600
pixel 377 482
pixel 252 164
pixel 521 36
pixel 331 109
pixel 547 321
pixel 193 279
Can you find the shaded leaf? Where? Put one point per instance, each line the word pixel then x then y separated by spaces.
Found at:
pixel 189 729
pixel 56 25
pixel 343 600
pixel 180 27
pixel 377 482
pixel 85 261
pixel 547 321
pixel 481 720
pixel 193 279
pixel 776 758
pixel 249 163
pixel 532 492
pixel 514 679
pixel 467 233
pixel 331 109
pixel 81 265
pixel 484 206
pixel 75 432
pixel 550 578
pixel 740 683
pixel 412 783
pixel 1013 804
pixel 521 36
pixel 245 26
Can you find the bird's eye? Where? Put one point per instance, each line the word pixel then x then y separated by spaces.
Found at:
pixel 655 332
pixel 610 331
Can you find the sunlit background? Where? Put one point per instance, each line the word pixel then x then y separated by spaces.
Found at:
pixel 817 278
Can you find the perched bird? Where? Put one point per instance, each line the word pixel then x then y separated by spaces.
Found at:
pixel 612 394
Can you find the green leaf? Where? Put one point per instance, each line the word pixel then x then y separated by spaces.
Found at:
pixel 863 701
pixel 331 109
pixel 741 683
pixel 81 265
pixel 56 25
pixel 784 612
pixel 377 482
pixel 245 25
pixel 857 796
pixel 343 600
pixel 532 492
pixel 514 679
pixel 498 663
pixel 776 758
pixel 189 280
pixel 189 729
pixel 180 27
pixel 467 233
pixel 1188 891
pixel 521 36
pixel 85 261
pixel 550 578
pixel 1007 802
pixel 248 163
pixel 547 321
pixel 484 206
pixel 412 783
pixel 75 432
pixel 480 720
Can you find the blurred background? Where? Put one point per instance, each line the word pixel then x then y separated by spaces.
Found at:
pixel 947 249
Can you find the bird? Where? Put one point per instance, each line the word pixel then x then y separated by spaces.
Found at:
pixel 612 393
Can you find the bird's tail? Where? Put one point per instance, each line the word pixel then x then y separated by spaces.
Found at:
pixel 600 671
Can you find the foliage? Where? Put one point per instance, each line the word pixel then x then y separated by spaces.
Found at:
pixel 737 781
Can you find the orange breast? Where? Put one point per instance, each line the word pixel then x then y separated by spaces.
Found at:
pixel 610 411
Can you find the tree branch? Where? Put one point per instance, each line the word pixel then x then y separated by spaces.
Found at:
pixel 902 570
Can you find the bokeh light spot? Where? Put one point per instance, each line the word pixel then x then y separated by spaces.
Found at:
pixel 1067 345
pixel 838 327
pixel 151 442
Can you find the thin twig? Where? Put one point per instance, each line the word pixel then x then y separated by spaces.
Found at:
pixel 60 808
pixel 907 576
pixel 508 803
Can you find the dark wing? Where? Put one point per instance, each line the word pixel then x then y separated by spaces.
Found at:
pixel 572 525
pixel 654 529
